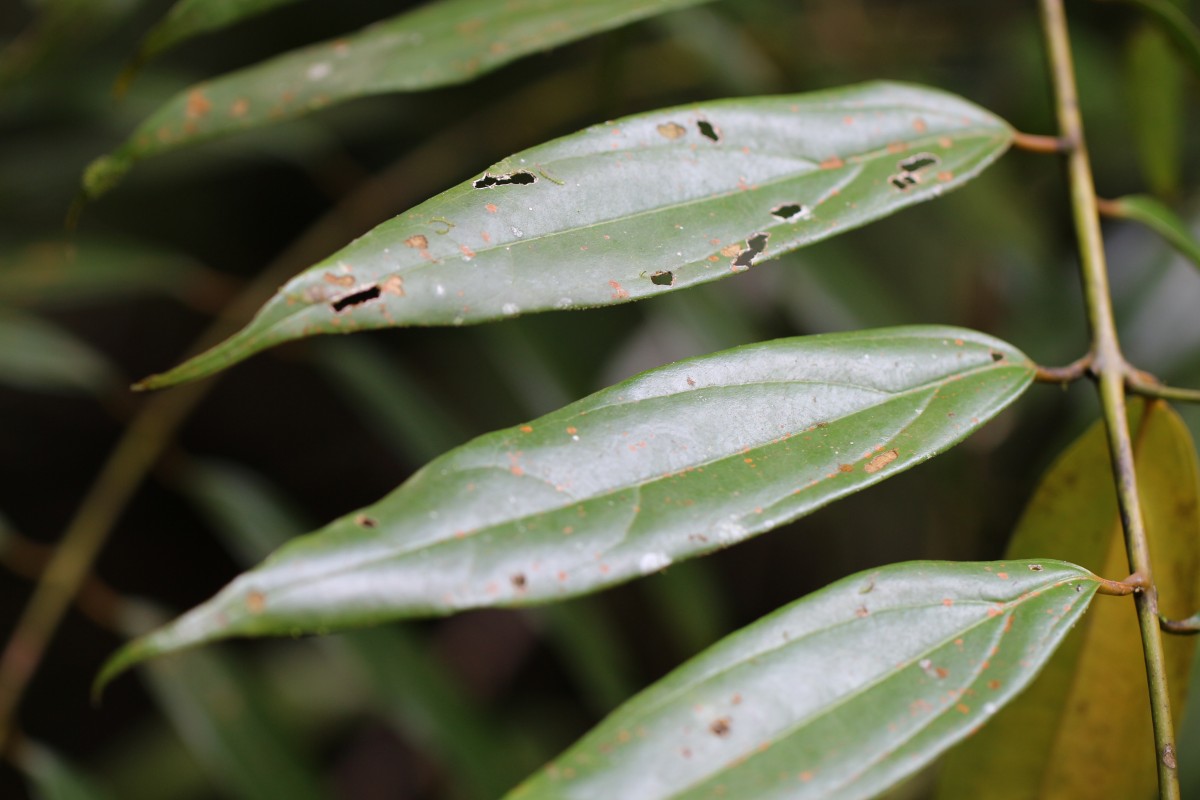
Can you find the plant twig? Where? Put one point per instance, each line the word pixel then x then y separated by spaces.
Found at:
pixel 1131 585
pixel 1036 143
pixel 1110 369
pixel 1180 627
pixel 1072 372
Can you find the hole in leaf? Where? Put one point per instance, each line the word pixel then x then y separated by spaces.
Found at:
pixel 789 211
pixel 903 180
pixel 754 246
pixel 708 130
pixel 997 356
pixel 520 177
pixel 358 298
pixel 663 278
pixel 919 161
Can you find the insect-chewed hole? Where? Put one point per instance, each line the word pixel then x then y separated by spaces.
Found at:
pixel 903 180
pixel 919 161
pixel 708 130
pixel 358 298
pixel 520 177
pixel 663 278
pixel 789 211
pixel 754 246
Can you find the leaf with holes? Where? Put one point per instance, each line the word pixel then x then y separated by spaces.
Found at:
pixel 440 44
pixel 671 464
pixel 634 208
pixel 1055 740
pixel 840 694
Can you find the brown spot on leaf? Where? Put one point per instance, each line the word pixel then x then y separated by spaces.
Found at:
pixel 239 107
pixel 393 284
pixel 365 521
pixel 339 280
pixel 919 125
pixel 845 468
pixel 619 292
pixel 417 242
pixel 720 727
pixel 519 581
pixel 882 460
pixel 731 250
pixel 833 162
pixel 256 602
pixel 197 104
pixel 671 130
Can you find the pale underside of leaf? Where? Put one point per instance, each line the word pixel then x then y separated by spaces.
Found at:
pixel 671 464
pixel 442 43
pixel 841 694
pixel 634 208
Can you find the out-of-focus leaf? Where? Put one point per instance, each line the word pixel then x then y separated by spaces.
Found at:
pixel 189 18
pixel 1058 740
pixel 39 356
pixel 216 710
pixel 52 778
pixel 53 274
pixel 413 688
pixel 1155 90
pixel 634 208
pixel 840 694
pixel 1156 216
pixel 1172 20
pixel 671 464
pixel 441 43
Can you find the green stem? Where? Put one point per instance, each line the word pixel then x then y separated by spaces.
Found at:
pixel 1110 369
pixel 1164 392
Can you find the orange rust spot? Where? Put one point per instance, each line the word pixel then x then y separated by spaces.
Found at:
pixel 806 776
pixel 619 292
pixel 526 429
pixel 239 108
pixel 256 602
pixel 962 708
pixel 947 602
pixel 882 460
pixel 197 104
pixel 393 284
pixel 571 429
pixel 466 251
pixel 515 469
pixel 338 280
pixel 833 162
pixel 941 672
pixel 861 612
pixel 919 125
pixel 897 147
pixel 945 176
pixel 417 242
pixel 945 141
pixel 491 208
pixel 1002 576
pixel 993 684
pixel 714 258
pixel 736 699
pixel 846 468
pixel 995 611
pixel 731 250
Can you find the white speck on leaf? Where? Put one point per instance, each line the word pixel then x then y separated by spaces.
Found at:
pixel 653 562
pixel 319 71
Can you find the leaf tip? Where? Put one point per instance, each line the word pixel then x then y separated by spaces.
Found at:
pixel 103 174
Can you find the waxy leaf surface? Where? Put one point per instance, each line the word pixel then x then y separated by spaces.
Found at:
pixel 671 464
pixel 634 208
pixel 438 44
pixel 1085 722
pixel 838 695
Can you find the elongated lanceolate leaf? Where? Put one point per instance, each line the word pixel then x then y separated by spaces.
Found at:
pixel 1159 218
pixel 441 43
pixel 634 208
pixel 1084 722
pixel 189 18
pixel 671 464
pixel 838 695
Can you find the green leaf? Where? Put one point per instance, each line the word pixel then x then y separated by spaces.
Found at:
pixel 189 18
pixel 1156 216
pixel 1172 21
pixel 53 778
pixel 1056 740
pixel 671 464
pixel 37 355
pixel 840 694
pixel 1156 103
pixel 440 44
pixel 634 208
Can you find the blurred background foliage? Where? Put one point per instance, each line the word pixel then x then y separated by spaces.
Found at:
pixel 465 707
